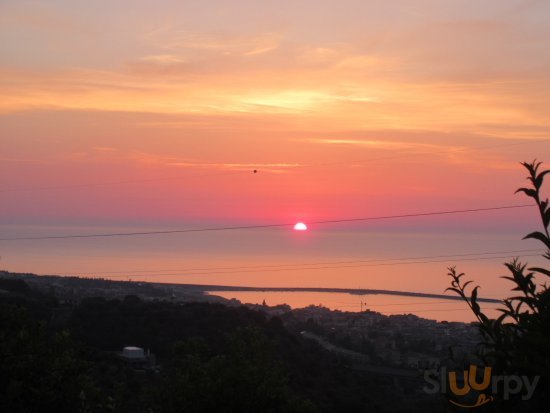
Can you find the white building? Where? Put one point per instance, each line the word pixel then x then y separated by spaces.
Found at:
pixel 134 353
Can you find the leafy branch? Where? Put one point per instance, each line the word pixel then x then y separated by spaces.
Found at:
pixel 520 337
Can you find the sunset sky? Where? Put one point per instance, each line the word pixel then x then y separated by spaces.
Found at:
pixel 152 115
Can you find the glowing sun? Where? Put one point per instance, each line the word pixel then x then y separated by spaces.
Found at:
pixel 300 226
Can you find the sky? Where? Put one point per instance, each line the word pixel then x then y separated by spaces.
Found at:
pixel 153 115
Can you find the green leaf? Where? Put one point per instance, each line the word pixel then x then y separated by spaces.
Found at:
pixel 540 178
pixel 540 270
pixel 474 294
pixel 466 284
pixel 505 312
pixel 473 299
pixel 528 191
pixel 540 236
pixel 531 167
pixel 483 317
pixel 546 218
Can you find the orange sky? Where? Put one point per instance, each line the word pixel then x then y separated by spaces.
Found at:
pixel 348 108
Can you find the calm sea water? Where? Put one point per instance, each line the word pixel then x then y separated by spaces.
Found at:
pixel 365 257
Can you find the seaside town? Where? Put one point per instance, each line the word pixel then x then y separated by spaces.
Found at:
pixel 404 343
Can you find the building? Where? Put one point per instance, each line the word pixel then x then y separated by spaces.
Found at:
pixel 138 359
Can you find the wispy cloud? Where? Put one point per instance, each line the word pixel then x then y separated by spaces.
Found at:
pixel 261 167
pixel 395 75
pixel 163 59
pixel 384 144
pixel 174 39
pixel 104 149
pixel 189 163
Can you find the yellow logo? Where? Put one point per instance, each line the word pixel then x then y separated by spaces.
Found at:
pixel 470 383
pixel 467 384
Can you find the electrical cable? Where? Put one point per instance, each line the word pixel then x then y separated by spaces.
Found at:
pixel 263 226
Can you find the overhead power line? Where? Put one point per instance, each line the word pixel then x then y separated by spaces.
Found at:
pixel 314 268
pixel 263 226
pixel 313 265
pixel 432 310
pixel 426 302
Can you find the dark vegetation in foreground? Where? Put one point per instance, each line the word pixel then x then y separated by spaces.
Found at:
pixel 517 343
pixel 210 357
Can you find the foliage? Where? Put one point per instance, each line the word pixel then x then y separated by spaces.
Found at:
pixel 244 378
pixel 210 358
pixel 40 370
pixel 518 341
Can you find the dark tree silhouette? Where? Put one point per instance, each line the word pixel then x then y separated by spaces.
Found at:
pixel 518 341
